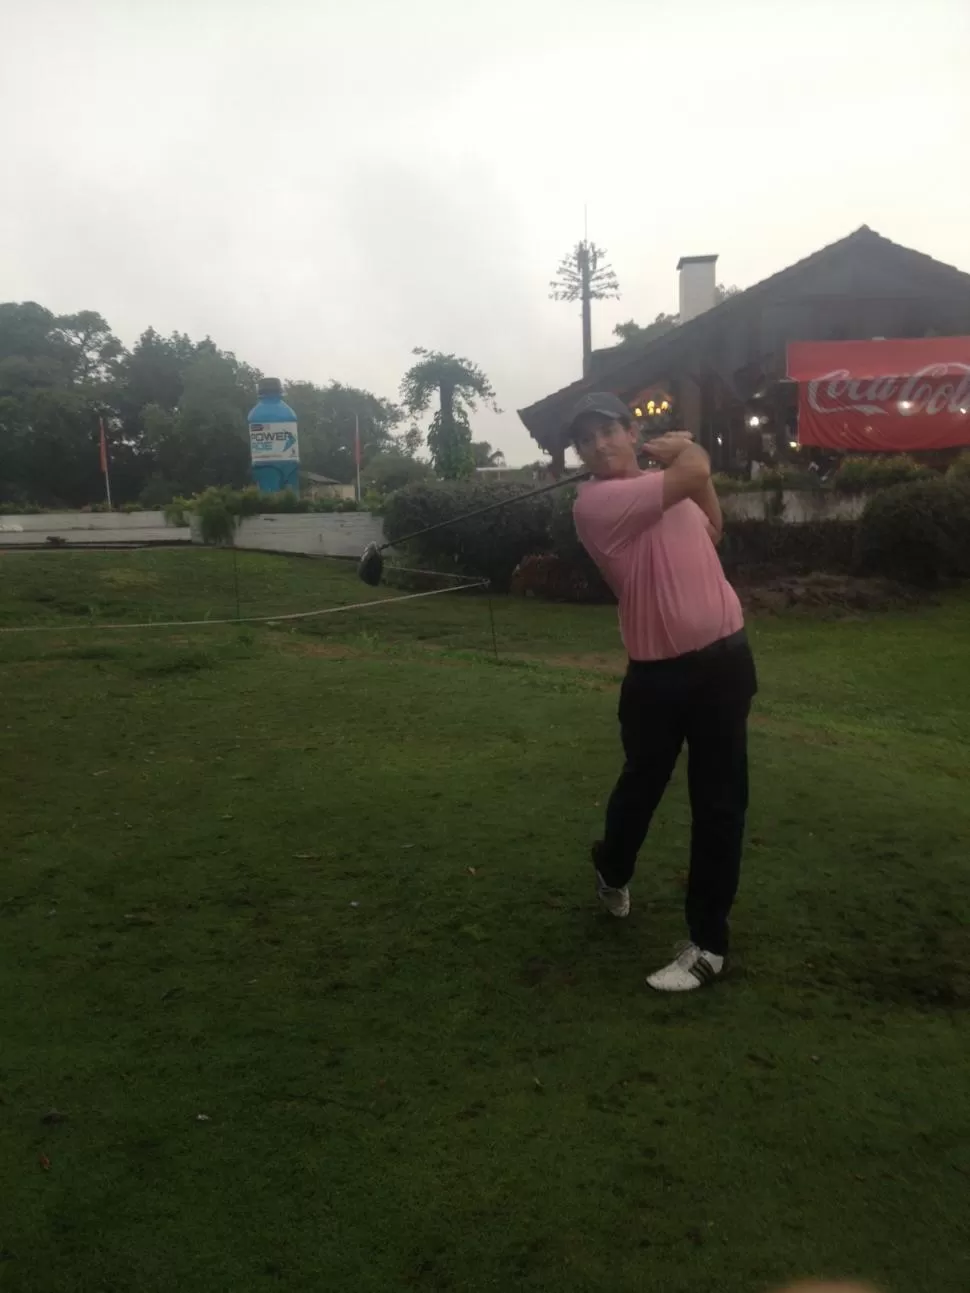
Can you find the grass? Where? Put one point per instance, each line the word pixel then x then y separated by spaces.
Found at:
pixel 301 985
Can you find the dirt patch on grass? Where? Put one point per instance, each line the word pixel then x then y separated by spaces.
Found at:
pixel 832 595
pixel 593 662
pixel 441 658
pixel 121 577
pixel 327 650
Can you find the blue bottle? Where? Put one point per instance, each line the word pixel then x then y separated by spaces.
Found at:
pixel 274 445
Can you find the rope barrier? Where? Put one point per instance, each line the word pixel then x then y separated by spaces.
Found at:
pixel 246 619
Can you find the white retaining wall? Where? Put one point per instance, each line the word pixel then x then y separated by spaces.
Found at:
pixel 347 534
pixel 800 506
pixel 317 534
pixel 91 527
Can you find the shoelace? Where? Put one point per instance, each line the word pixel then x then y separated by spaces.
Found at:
pixel 606 888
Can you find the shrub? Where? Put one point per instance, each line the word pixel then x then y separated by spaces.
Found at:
pixel 490 546
pixel 796 549
pixel 551 577
pixel 959 468
pixel 857 474
pixel 217 518
pixel 220 508
pixel 21 509
pixel 725 484
pixel 787 478
pixel 917 532
pixel 177 511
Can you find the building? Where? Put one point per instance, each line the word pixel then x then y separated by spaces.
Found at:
pixel 498 475
pixel 320 487
pixel 721 373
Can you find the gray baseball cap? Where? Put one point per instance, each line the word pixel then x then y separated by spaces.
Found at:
pixel 605 403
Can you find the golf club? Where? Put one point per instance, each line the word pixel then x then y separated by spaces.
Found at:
pixel 370 568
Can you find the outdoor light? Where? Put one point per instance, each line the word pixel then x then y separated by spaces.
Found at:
pixel 905 404
pixel 638 413
pixel 754 421
pixel 665 406
pixel 720 439
pixel 792 444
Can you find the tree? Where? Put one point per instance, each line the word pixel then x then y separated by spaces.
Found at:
pixel 182 408
pixel 174 412
pixel 153 374
pixel 204 442
pixel 327 417
pixel 55 371
pixel 392 470
pixel 484 455
pixel 631 332
pixel 50 441
pixel 583 275
pixel 30 355
pixel 92 349
pixel 410 443
pixel 459 385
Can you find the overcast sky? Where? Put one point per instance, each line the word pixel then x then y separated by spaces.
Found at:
pixel 322 185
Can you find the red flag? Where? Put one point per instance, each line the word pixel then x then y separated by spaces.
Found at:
pixel 357 441
pixel 104 449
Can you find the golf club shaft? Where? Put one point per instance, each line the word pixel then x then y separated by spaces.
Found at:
pixel 491 507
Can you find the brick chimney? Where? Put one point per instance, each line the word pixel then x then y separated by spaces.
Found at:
pixel 697 285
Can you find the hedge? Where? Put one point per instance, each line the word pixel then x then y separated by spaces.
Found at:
pixel 219 509
pixel 858 474
pixel 490 546
pixel 827 546
pixel 918 533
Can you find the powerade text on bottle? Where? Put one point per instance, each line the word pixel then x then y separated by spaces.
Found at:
pixel 273 442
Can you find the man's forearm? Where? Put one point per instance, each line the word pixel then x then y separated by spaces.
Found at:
pixel 706 499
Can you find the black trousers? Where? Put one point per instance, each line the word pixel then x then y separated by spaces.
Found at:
pixel 703 699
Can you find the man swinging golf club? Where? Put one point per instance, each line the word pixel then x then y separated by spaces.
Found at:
pixel 691 675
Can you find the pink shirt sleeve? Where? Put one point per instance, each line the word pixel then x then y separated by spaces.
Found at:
pixel 609 513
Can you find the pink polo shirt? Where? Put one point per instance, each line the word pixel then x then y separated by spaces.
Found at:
pixel 662 566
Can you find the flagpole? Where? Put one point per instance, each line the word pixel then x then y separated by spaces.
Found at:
pixel 104 463
pixel 357 450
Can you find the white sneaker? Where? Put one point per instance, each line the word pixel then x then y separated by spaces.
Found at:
pixel 616 901
pixel 693 968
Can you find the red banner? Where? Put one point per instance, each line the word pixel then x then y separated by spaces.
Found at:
pixel 883 396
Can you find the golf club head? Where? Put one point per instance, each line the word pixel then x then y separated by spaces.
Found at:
pixel 371 565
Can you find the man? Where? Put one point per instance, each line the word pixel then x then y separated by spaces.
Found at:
pixel 691 676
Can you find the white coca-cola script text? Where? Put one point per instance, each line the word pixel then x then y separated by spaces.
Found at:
pixel 939 388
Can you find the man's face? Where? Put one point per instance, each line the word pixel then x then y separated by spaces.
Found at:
pixel 607 448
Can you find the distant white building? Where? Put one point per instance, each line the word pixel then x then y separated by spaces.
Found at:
pixel 318 487
pixel 531 473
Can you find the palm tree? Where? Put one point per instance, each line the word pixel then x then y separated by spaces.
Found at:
pixel 459 385
pixel 584 275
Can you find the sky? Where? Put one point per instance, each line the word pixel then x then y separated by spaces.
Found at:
pixel 322 185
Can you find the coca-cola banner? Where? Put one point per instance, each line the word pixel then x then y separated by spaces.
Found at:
pixel 885 396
